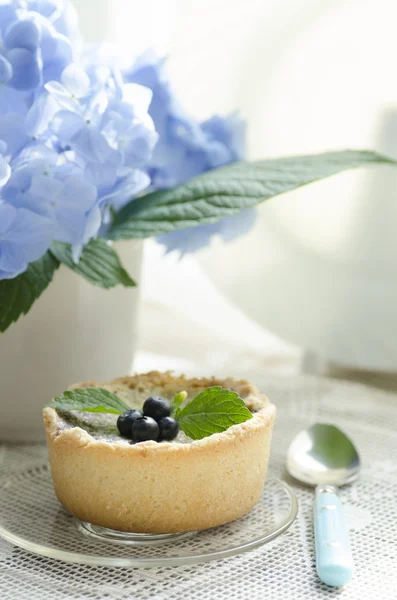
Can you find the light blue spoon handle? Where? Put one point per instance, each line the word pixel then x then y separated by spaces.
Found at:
pixel 333 555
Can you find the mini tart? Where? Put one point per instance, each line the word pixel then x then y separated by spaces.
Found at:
pixel 162 487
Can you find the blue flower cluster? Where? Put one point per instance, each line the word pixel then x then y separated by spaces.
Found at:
pixel 79 139
pixel 187 148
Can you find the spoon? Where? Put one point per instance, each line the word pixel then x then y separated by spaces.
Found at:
pixel 324 457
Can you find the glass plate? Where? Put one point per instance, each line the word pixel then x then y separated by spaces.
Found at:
pixel 32 518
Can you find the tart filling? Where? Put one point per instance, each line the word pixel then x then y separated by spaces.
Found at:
pixel 161 487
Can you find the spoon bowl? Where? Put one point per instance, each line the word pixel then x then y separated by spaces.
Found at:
pixel 323 455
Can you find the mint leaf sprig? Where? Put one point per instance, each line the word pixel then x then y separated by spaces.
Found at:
pixel 90 399
pixel 214 410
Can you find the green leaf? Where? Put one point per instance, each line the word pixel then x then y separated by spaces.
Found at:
pixel 89 400
pixel 214 410
pixel 17 295
pixel 224 192
pixel 98 263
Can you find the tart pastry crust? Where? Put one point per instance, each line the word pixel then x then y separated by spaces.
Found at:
pixel 163 487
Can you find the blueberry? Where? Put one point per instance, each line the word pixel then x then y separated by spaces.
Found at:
pixel 156 407
pixel 169 428
pixel 126 420
pixel 145 428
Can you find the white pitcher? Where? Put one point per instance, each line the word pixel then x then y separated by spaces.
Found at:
pixel 74 332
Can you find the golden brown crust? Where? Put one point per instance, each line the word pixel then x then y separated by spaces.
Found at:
pixel 167 487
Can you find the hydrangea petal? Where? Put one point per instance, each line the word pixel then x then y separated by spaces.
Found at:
pixel 13 132
pixel 92 145
pixel 231 227
pixel 59 93
pixel 218 155
pixel 37 156
pixel 18 183
pixel 138 96
pixel 70 225
pixel 66 21
pixel 138 151
pixel 32 233
pixel 26 69
pixel 78 193
pixel 104 175
pixel 96 107
pixel 61 14
pixel 76 81
pixel 125 189
pixel 12 259
pixel 49 36
pixel 45 188
pixel 22 34
pixel 43 7
pixel 229 131
pixel 7 216
pixel 55 65
pixel 8 14
pixel 189 240
pixel 5 70
pixel 15 101
pixel 40 114
pixel 92 226
pixel 66 125
pixel 5 171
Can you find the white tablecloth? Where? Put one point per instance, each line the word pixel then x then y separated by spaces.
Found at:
pixel 283 569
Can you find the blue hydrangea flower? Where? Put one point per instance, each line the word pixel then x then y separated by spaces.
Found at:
pixel 79 139
pixel 79 150
pixel 24 238
pixel 187 148
pixel 11 100
pixel 56 49
pixel 224 140
pixel 107 127
pixel 21 51
pixel 62 15
pixel 49 185
pixel 31 48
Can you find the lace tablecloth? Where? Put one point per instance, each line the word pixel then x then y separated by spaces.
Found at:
pixel 283 569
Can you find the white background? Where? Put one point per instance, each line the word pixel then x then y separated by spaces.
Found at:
pixel 308 76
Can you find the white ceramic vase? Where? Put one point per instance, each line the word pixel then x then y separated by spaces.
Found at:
pixel 74 332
